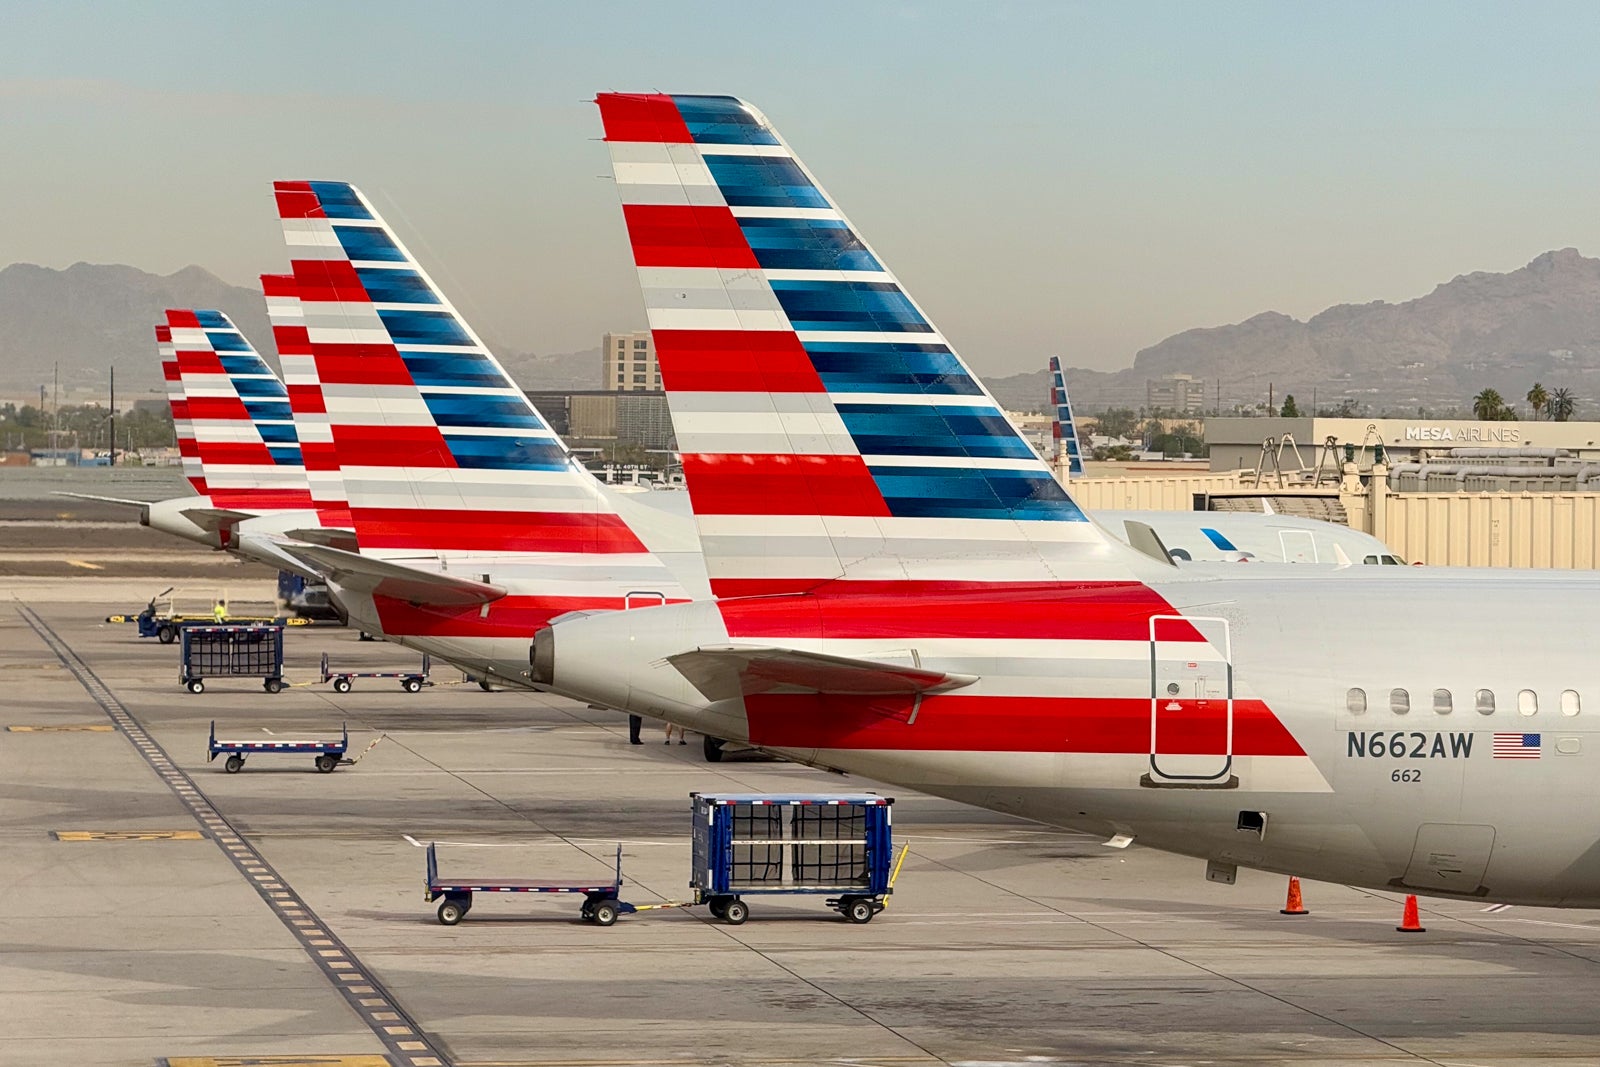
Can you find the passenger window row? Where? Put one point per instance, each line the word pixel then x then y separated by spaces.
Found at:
pixel 1355 702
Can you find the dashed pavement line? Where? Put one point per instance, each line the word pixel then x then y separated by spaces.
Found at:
pixel 367 996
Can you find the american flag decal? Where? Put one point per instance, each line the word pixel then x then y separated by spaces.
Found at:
pixel 1516 746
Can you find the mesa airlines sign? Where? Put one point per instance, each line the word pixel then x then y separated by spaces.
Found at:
pixel 1465 432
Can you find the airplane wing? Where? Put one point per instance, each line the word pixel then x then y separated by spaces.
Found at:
pixel 383 578
pixel 723 673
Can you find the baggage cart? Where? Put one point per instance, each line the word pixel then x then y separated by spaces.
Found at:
pixel 410 681
pixel 326 754
pixel 254 651
pixel 164 620
pixel 748 844
pixel 601 899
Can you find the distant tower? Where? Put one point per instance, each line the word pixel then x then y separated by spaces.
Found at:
pixel 1067 460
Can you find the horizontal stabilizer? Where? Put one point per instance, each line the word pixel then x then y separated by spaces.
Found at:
pixel 103 499
pixel 1144 537
pixel 384 578
pixel 728 672
pixel 331 537
pixel 214 519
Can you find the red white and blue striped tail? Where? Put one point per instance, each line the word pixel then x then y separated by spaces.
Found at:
pixel 440 454
pixel 1063 427
pixel 243 435
pixel 305 398
pixel 188 450
pixel 828 429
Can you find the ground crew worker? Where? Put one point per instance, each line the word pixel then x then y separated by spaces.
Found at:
pixel 219 611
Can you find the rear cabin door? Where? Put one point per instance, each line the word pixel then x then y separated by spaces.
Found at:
pixel 1191 701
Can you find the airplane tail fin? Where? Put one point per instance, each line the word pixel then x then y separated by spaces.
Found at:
pixel 182 427
pixel 828 430
pixel 439 451
pixel 304 391
pixel 1063 427
pixel 244 435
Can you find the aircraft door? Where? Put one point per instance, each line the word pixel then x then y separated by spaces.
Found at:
pixel 1191 702
pixel 1299 546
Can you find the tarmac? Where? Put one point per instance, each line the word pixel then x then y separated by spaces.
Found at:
pixel 278 912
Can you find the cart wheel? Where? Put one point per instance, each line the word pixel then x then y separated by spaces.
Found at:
pixel 605 913
pixel 195 685
pixel 717 906
pixel 233 764
pixel 713 749
pixel 341 685
pixel 273 685
pixel 326 764
pixel 411 685
pixel 451 912
pixel 859 911
pixel 735 912
pixel 485 686
pixel 166 635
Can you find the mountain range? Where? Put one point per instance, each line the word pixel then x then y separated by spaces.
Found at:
pixel 1506 331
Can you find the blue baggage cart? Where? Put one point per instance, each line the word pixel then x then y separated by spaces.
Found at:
pixel 749 844
pixel 601 899
pixel 328 754
pixel 254 651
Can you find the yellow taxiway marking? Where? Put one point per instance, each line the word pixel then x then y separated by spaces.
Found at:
pixel 73 728
pixel 85 564
pixel 128 835
pixel 277 1061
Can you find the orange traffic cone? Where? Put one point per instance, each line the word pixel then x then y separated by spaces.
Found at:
pixel 1294 905
pixel 1410 922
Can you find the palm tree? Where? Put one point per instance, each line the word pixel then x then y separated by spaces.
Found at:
pixel 1487 405
pixel 1561 404
pixel 1538 399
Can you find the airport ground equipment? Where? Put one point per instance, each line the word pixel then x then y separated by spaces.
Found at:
pixel 410 681
pixel 253 651
pixel 602 903
pixel 163 618
pixel 326 754
pixel 749 844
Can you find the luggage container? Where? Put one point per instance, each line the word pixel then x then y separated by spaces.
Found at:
pixel 747 844
pixel 232 652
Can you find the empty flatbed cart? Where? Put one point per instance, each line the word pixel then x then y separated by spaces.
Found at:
pixel 747 844
pixel 232 652
pixel 327 754
pixel 601 903
pixel 410 681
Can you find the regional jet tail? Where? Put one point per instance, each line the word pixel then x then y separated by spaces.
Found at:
pixel 445 465
pixel 953 622
pixel 1063 427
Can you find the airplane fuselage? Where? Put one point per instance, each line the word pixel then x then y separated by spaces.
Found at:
pixel 1282 746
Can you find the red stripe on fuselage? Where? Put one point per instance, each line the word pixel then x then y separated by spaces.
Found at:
pixel 735 361
pixel 511 616
pixel 261 500
pixel 1054 611
pixel 956 723
pixel 306 400
pixel 221 408
pixel 198 361
pixel 360 364
pixel 319 281
pixel 781 485
pixel 650 117
pixel 674 235
pixel 235 453
pixel 489 531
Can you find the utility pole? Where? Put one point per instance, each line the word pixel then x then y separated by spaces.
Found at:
pixel 1313 401
pixel 1271 409
pixel 113 414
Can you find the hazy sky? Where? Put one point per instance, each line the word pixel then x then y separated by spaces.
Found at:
pixel 1083 179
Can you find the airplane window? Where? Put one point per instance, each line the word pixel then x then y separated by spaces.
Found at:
pixel 1485 702
pixel 1569 702
pixel 1355 702
pixel 1372 559
pixel 1399 701
pixel 1392 561
pixel 1441 701
pixel 1528 702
